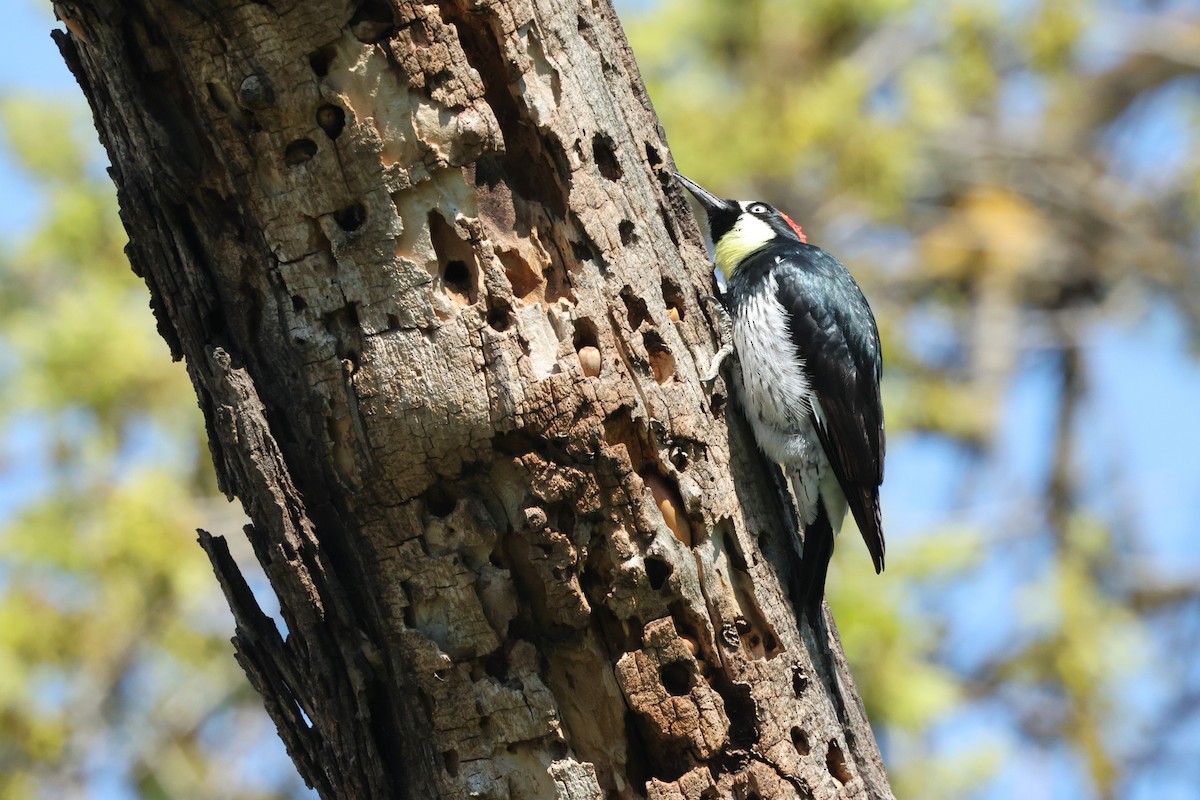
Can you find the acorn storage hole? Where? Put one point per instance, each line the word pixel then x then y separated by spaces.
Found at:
pixel 673 298
pixel 670 504
pixel 605 157
pixel 450 762
pixel 456 272
pixel 523 279
pixel 657 572
pixel 499 317
pixel 800 741
pixel 440 502
pixel 372 22
pixel 677 677
pixel 320 59
pixel 635 308
pixel 587 347
pixel 331 119
pixel 835 762
pixel 628 232
pixel 662 361
pixel 351 218
pixel 458 269
pixel 299 151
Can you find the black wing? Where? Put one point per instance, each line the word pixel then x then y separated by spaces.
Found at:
pixel 834 331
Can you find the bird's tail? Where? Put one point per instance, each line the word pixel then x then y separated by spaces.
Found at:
pixel 815 554
pixel 864 503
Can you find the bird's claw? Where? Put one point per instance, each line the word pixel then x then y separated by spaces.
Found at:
pixel 724 333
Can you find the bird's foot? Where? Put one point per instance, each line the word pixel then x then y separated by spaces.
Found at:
pixel 724 333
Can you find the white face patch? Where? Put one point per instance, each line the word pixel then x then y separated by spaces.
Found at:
pixel 748 234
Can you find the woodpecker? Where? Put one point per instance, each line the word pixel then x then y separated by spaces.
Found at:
pixel 808 367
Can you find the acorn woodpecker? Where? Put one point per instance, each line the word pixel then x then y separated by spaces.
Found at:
pixel 807 375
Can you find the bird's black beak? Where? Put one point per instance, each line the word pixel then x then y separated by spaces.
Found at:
pixel 721 213
pixel 712 204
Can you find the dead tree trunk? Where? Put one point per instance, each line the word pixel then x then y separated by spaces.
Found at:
pixel 440 301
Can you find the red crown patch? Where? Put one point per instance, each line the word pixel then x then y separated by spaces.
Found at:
pixel 799 231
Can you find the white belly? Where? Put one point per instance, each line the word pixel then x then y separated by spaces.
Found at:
pixel 772 384
pixel 775 395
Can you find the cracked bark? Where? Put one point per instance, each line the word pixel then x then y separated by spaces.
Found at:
pixel 441 304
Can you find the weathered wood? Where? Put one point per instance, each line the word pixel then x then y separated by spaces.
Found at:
pixel 442 306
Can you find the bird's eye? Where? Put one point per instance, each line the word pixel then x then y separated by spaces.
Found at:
pixel 759 208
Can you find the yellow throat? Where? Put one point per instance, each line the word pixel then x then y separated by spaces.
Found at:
pixel 747 235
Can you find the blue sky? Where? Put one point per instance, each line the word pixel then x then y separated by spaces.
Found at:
pixel 29 64
pixel 1140 421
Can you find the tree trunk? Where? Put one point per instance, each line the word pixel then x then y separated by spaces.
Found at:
pixel 442 306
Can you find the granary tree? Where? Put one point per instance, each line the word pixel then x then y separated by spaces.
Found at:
pixel 443 308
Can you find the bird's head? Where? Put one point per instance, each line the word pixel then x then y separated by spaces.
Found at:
pixel 741 227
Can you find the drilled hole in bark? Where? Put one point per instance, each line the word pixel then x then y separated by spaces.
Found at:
pixel 299 151
pixel 222 97
pixel 319 60
pixel 670 505
pixel 515 443
pixel 799 681
pixel 662 361
pixel 677 677
pixel 669 224
pixel 635 308
pixel 657 572
pixel 673 297
pixel 717 404
pixel 298 303
pixel 734 551
pixel 457 273
pixel 626 229
pixel 586 251
pixel 499 319
pixel 620 429
pixel 753 795
pixel 605 158
pixel 331 119
pixel 835 762
pixel 372 22
pixel 585 334
pixel 351 218
pixel 256 93
pixel 652 156
pixel 800 741
pixel 523 279
pixel 456 260
pixel 496 665
pixel 393 322
pixel 450 762
pixel 440 502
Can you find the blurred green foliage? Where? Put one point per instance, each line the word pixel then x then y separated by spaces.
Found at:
pixel 962 157
pixel 116 671
pixel 978 166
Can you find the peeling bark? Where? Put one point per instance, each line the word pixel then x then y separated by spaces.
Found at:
pixel 442 306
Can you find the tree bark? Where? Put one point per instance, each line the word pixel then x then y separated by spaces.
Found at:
pixel 441 302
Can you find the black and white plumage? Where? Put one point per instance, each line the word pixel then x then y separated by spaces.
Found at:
pixel 808 372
